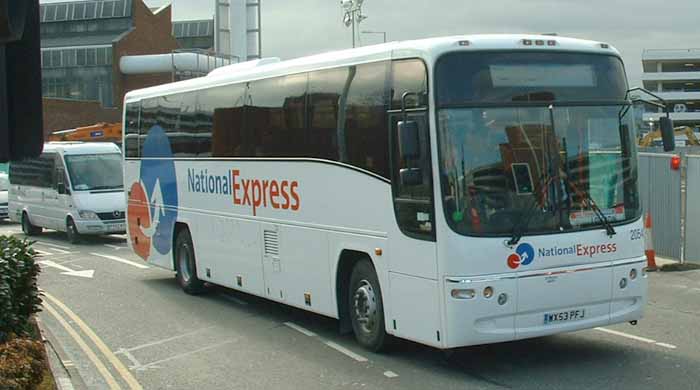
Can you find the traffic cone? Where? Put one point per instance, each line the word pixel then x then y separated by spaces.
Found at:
pixel 649 244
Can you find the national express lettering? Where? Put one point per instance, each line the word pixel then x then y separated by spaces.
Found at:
pixel 254 193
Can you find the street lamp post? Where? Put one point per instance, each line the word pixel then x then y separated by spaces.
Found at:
pixel 376 32
pixel 353 15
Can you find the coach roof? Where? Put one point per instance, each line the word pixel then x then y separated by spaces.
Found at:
pixel 429 49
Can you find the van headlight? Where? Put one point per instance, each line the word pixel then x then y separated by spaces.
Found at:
pixel 87 214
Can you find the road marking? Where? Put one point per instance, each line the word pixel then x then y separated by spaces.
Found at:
pixel 181 355
pixel 116 247
pixel 67 271
pixel 65 384
pixel 300 329
pixel 163 341
pixel 111 382
pixel 42 253
pixel 54 245
pixel 233 299
pixel 120 260
pixel 636 338
pixel 390 374
pixel 346 351
pixel 111 357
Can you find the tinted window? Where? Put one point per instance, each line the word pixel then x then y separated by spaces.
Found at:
pixel 409 76
pixel 131 130
pixel 38 172
pixel 507 77
pixel 220 114
pixel 366 142
pixel 325 92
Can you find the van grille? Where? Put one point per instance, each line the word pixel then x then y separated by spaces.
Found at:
pixel 111 216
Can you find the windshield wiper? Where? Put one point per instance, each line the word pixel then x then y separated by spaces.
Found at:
pixel 609 229
pixel 521 225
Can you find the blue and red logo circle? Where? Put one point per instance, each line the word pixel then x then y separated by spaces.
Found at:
pixel 153 200
pixel 524 255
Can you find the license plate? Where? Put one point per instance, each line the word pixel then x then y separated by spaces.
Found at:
pixel 563 316
pixel 118 227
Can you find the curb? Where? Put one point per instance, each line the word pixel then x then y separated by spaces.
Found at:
pixel 66 376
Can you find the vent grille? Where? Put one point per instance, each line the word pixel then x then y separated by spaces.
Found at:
pixel 272 243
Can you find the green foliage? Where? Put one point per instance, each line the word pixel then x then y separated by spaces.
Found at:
pixel 19 294
pixel 21 364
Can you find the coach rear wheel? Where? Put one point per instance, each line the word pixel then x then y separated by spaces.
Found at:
pixel 185 262
pixel 27 226
pixel 366 307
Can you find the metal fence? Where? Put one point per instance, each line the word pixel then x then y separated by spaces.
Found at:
pixel 692 208
pixel 660 193
pixel 671 196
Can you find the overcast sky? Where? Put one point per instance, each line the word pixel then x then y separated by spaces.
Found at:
pixel 293 28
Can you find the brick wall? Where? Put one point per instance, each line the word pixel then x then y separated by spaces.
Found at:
pixel 62 114
pixel 151 34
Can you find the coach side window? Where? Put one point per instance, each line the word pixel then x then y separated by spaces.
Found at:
pixel 326 122
pixel 148 119
pixel 131 130
pixel 220 112
pixel 409 76
pixel 366 125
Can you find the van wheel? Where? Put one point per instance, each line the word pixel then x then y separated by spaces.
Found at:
pixel 366 307
pixel 72 232
pixel 185 263
pixel 27 226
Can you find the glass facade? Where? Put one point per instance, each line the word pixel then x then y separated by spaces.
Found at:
pixel 78 73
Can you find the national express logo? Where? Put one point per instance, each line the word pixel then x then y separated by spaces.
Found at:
pixel 524 255
pixel 151 224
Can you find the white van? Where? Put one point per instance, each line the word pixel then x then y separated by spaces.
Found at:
pixel 73 187
pixel 4 187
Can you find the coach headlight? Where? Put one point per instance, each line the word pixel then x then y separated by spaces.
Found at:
pixel 87 214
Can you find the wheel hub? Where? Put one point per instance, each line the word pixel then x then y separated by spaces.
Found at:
pixel 184 263
pixel 365 306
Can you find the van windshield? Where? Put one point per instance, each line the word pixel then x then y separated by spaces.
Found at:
pixel 95 171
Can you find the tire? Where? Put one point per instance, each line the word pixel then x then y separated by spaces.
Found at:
pixel 72 232
pixel 186 265
pixel 27 226
pixel 367 308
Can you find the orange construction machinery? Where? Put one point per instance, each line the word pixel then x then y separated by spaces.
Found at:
pixel 101 132
pixel 684 135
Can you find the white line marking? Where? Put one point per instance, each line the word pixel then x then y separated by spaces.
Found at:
pixel 120 260
pixel 346 352
pixel 669 346
pixel 637 338
pixel 154 364
pixel 60 251
pixel 54 245
pixel 390 374
pixel 154 343
pixel 116 247
pixel 629 336
pixel 67 271
pixel 65 384
pixel 43 253
pixel 233 299
pixel 300 329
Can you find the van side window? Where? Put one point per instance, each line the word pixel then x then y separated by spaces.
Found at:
pixel 36 172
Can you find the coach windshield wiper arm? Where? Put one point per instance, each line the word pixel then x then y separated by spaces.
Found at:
pixel 609 229
pixel 524 221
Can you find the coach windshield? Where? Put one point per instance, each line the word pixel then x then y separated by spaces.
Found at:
pixel 534 142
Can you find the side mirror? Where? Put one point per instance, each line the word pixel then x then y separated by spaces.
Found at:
pixel 411 177
pixel 408 140
pixel 62 188
pixel 667 135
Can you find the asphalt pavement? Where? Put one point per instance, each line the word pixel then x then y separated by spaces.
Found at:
pixel 116 323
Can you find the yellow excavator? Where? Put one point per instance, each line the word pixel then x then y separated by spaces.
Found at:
pixel 654 138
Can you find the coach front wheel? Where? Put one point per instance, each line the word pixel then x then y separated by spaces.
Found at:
pixel 185 263
pixel 366 307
